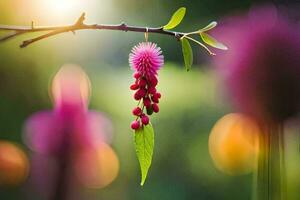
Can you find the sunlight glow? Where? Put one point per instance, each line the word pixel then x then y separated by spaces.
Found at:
pixel 59 11
pixel 62 6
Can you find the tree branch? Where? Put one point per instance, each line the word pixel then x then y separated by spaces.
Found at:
pixel 78 25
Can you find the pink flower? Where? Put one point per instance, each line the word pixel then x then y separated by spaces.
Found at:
pixel 60 136
pixel 262 68
pixel 46 130
pixel 145 59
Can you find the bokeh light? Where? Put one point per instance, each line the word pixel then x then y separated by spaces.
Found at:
pixel 97 168
pixel 233 144
pixel 14 164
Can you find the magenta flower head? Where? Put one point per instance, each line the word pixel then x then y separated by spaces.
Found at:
pixel 262 68
pixel 59 137
pixel 145 59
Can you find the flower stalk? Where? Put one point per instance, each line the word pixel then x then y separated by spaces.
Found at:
pixel 271 172
pixel 61 187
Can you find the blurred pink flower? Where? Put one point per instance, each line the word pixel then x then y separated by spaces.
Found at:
pixel 262 67
pixel 70 120
pixel 58 137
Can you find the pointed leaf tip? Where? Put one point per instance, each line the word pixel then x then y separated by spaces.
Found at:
pixel 187 53
pixel 144 144
pixel 208 39
pixel 175 19
pixel 209 26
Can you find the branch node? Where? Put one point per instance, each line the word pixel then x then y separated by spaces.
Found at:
pixel 80 19
pixel 177 36
pixel 123 25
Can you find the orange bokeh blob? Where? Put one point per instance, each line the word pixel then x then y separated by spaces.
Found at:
pixel 14 164
pixel 97 168
pixel 233 144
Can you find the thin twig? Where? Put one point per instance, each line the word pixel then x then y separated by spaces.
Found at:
pixel 11 35
pixel 78 25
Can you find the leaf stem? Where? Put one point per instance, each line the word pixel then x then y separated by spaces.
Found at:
pixel 201 44
pixel 193 33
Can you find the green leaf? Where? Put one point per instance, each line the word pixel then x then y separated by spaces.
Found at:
pixel 209 26
pixel 187 53
pixel 144 144
pixel 176 19
pixel 212 41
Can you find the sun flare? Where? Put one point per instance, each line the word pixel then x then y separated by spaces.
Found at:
pixel 61 6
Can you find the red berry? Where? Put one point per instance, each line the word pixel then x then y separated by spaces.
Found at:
pixel 134 86
pixel 155 99
pixel 153 81
pixel 137 96
pixel 145 119
pixel 137 111
pixel 135 125
pixel 147 102
pixel 152 90
pixel 142 92
pixel 158 95
pixel 142 83
pixel 137 75
pixel 155 108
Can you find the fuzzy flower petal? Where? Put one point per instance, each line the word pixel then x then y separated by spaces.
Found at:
pixel 146 58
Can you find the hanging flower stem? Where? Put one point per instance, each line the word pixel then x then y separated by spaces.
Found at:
pixel 271 172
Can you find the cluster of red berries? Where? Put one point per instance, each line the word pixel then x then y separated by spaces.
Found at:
pixel 147 96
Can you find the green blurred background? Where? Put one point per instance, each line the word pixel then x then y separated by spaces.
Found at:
pixel 190 105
